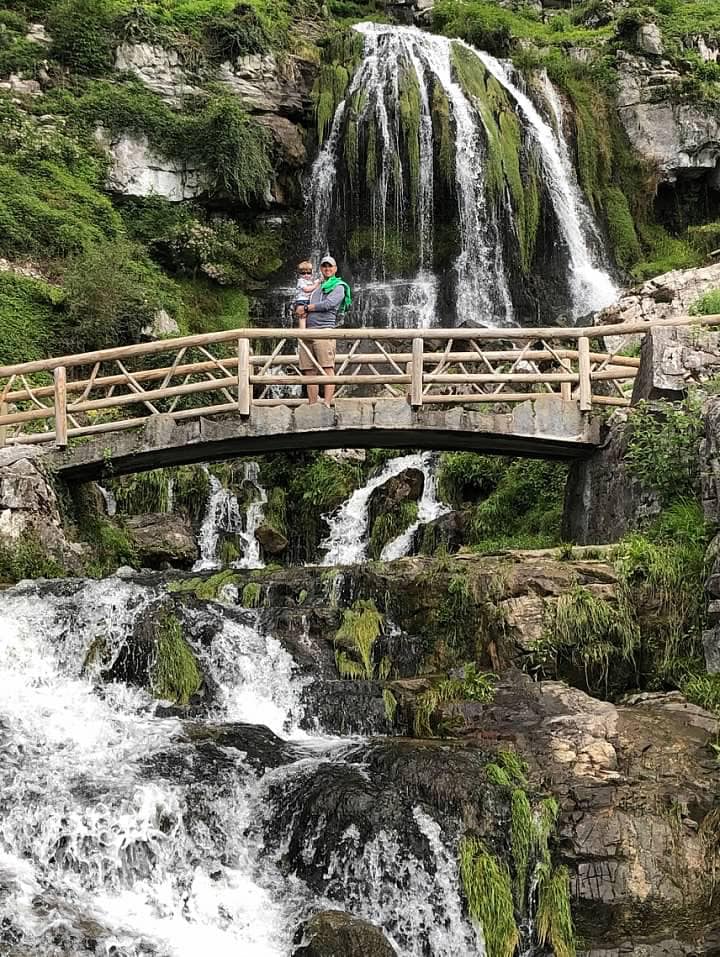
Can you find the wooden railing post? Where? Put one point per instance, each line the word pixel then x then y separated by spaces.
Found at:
pixel 3 428
pixel 416 374
pixel 244 391
pixel 566 391
pixel 61 438
pixel 584 384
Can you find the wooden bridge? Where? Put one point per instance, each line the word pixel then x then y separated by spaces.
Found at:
pixel 223 394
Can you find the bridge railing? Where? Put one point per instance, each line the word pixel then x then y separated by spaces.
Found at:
pixel 55 400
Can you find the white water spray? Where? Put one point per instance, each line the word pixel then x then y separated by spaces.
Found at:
pixel 347 538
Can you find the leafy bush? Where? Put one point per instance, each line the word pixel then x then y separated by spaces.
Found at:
pixel 111 295
pixel 31 318
pixel 28 558
pixel 663 444
pixel 82 33
pixel 237 34
pixel 707 305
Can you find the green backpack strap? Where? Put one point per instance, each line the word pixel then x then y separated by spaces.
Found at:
pixel 347 301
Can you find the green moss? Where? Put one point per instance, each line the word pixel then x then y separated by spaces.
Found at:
pixel 409 109
pixel 442 134
pixel 358 632
pixel 554 918
pixel 174 675
pixel 621 227
pixel 389 525
pixel 251 595
pixel 486 884
pixel 143 492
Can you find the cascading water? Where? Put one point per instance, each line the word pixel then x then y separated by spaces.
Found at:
pixel 347 539
pixel 591 287
pixel 434 139
pixel 223 515
pixel 128 833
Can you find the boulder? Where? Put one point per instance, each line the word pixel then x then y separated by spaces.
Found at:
pixel 287 136
pixel 448 530
pixel 330 933
pixel 160 69
pixel 668 296
pixel 407 486
pixel 162 538
pixel 272 541
pixel 162 325
pixel 649 39
pixel 268 85
pixel 673 359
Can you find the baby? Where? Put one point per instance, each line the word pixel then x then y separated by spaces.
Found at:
pixel 306 285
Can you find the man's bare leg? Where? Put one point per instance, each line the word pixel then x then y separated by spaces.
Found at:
pixel 312 390
pixel 328 390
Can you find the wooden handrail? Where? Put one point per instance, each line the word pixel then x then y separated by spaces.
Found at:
pixel 111 391
pixel 480 335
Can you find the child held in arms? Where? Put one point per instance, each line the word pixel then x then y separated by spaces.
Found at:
pixel 305 287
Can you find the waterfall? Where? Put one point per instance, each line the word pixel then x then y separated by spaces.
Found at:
pixel 423 144
pixel 429 508
pixel 109 499
pixel 223 514
pixel 158 836
pixel 347 539
pixel 592 288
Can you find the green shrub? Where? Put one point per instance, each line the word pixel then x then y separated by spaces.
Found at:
pixel 31 318
pixel 82 34
pixel 703 690
pixel 707 305
pixel 356 636
pixel 48 211
pixel 528 501
pixel 28 558
pixel 663 445
pixel 238 33
pixel 111 295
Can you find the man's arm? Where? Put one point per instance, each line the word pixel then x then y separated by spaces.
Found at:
pixel 332 301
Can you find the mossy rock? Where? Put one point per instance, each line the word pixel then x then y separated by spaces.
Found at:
pixel 157 656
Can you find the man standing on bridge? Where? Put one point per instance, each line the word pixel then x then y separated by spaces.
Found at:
pixel 330 298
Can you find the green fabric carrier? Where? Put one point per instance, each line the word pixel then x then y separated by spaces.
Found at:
pixel 329 285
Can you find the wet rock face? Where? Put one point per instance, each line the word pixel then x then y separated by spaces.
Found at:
pixel 330 933
pixel 602 501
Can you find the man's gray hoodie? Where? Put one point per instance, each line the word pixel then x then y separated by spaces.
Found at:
pixel 325 307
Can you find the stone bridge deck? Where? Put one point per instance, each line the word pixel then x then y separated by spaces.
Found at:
pixel 543 426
